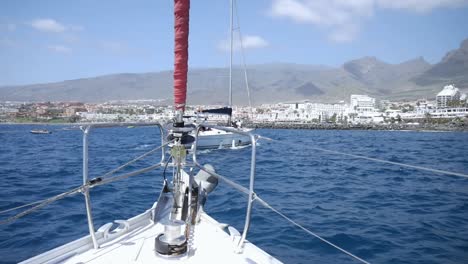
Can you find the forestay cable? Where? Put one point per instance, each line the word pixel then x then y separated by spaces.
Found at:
pixel 458 174
pixel 243 59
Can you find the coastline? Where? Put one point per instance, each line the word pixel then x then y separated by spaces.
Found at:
pixel 449 127
pixel 426 127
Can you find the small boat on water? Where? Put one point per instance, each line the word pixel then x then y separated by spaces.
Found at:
pixel 40 131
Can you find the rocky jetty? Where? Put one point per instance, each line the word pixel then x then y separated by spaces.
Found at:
pixel 450 126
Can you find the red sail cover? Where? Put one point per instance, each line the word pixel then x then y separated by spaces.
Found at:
pixel 181 28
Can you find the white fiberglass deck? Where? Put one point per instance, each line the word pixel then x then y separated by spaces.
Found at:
pixel 211 244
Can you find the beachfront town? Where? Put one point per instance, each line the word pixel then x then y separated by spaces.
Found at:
pixel 449 103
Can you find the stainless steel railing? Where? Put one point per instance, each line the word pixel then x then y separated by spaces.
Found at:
pixel 86 128
pixel 250 192
pixel 91 183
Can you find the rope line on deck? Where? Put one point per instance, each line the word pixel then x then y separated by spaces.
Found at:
pixel 458 174
pixel 265 204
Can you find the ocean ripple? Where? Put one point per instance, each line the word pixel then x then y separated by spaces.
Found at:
pixel 382 213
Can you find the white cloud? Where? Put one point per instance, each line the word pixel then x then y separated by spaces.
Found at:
pixel 48 25
pixel 295 10
pixel 341 17
pixel 53 26
pixel 420 5
pixel 322 12
pixel 252 42
pixel 344 18
pixel 59 48
pixel 248 42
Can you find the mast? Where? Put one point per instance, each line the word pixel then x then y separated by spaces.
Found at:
pixel 231 30
pixel 181 29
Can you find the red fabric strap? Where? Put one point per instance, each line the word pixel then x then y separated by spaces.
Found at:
pixel 181 28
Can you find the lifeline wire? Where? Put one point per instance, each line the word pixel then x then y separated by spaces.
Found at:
pixel 42 204
pixel 265 204
pixel 70 193
pixel 244 190
pixel 135 160
pixel 375 159
pixel 47 201
pixel 21 206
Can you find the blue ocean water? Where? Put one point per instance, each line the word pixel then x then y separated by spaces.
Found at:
pixel 382 213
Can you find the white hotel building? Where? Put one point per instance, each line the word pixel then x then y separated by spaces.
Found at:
pixel 362 103
pixel 448 94
pixel 363 108
pixel 302 112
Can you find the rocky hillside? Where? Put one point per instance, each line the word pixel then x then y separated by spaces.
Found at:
pixel 412 79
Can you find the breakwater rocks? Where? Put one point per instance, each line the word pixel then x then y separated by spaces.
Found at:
pixel 461 126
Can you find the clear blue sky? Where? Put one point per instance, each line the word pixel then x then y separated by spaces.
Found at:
pixel 54 40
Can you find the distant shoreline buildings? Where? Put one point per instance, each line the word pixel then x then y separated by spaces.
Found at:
pixel 449 103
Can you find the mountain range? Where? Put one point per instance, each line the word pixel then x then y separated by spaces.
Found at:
pixel 269 83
